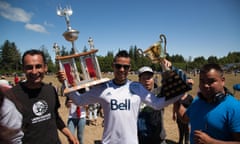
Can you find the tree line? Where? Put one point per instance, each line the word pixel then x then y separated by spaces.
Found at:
pixel 10 60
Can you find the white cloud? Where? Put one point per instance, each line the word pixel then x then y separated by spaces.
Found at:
pixel 20 15
pixel 36 28
pixel 14 14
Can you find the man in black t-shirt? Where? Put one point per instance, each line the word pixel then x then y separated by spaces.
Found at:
pixel 39 103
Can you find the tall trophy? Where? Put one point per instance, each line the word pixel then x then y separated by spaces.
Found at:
pixel 88 73
pixel 173 80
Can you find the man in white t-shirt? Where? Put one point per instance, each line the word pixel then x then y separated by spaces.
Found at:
pixel 120 99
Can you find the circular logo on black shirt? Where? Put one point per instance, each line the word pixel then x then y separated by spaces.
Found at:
pixel 40 107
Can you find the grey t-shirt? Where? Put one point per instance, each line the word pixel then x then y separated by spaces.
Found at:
pixel 11 118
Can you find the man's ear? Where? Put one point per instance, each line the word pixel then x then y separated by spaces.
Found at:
pixel 45 68
pixel 223 81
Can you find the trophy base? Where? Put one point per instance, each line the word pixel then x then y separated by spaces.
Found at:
pixel 85 85
pixel 173 85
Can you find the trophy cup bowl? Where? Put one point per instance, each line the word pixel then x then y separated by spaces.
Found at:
pixel 155 53
pixel 71 35
pixel 173 80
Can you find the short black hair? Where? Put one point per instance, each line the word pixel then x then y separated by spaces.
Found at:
pixel 34 52
pixel 207 67
pixel 121 53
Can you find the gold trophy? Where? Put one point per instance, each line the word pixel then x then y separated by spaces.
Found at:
pixel 173 80
pixel 156 53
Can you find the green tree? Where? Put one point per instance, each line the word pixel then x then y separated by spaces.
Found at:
pixel 10 57
pixel 212 59
pixel 198 62
pixel 177 58
pixel 234 57
pixel 51 66
pixel 63 51
pixel 105 63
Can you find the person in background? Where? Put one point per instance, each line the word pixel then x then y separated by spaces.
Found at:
pixel 76 119
pixel 3 81
pixel 214 114
pixel 16 79
pixel 120 99
pixel 40 102
pixel 101 114
pixel 183 128
pixel 10 118
pixel 150 122
pixel 22 78
pixel 92 113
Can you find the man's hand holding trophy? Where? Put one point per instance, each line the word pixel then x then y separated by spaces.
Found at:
pixel 173 80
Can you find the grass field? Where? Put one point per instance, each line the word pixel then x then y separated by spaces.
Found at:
pixel 93 133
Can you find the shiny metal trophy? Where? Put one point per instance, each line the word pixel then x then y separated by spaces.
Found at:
pixel 88 73
pixel 156 53
pixel 173 80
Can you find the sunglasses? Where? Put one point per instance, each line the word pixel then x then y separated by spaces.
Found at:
pixel 119 66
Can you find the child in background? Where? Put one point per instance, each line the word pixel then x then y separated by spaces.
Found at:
pixel 92 113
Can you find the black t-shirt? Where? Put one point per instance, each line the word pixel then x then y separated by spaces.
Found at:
pixel 187 101
pixel 40 114
pixel 153 120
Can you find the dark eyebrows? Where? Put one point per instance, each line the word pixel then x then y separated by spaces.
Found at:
pixel 30 67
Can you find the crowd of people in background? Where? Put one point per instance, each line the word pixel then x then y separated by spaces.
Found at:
pixel 17 78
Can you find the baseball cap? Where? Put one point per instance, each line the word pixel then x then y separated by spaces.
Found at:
pixel 144 69
pixel 4 84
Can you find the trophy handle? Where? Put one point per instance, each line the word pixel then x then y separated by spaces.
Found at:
pixel 140 52
pixel 156 52
pixel 164 41
pixel 164 54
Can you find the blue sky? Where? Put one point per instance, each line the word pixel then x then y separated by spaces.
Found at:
pixel 193 27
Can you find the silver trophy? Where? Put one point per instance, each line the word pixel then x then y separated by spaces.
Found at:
pixel 173 80
pixel 88 72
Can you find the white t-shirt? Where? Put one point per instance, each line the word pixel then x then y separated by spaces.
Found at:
pixel 73 113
